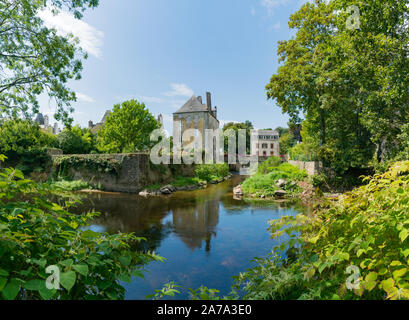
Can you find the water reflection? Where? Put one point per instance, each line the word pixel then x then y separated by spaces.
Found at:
pixel 206 236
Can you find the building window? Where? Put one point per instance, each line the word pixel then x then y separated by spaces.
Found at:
pixel 265 145
pixel 264 154
pixel 272 146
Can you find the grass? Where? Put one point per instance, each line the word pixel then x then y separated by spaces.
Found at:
pixel 71 185
pixel 264 181
pixel 203 174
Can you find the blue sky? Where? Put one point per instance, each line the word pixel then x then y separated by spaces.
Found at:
pixel 163 51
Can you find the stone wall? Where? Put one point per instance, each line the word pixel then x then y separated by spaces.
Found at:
pixel 129 173
pixel 312 167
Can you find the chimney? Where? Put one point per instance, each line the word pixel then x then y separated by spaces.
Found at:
pixel 200 99
pixel 215 112
pixel 90 124
pixel 209 101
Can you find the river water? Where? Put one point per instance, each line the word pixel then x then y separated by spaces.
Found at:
pixel 206 236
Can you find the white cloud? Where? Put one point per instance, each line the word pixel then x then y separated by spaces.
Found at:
pixel 84 97
pixel 179 89
pixel 276 26
pixel 253 11
pixel 150 99
pixel 271 4
pixel 91 39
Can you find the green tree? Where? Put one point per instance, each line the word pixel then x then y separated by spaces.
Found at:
pixel 349 84
pixel 247 125
pixel 34 59
pixel 24 143
pixel 127 129
pixel 75 141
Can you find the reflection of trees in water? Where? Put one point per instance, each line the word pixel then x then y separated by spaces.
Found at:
pixel 129 213
pixel 194 219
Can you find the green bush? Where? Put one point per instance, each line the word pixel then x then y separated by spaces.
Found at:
pixel 269 165
pixel 36 234
pixel 264 182
pixel 24 143
pixel 210 172
pixel 75 141
pixel 71 185
pixel 368 228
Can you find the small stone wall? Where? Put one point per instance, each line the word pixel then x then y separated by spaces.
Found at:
pixel 312 167
pixel 129 173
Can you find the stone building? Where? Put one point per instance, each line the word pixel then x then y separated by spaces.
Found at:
pixel 195 115
pixel 44 123
pixel 95 127
pixel 265 143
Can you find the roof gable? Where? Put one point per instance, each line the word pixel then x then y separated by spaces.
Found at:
pixel 193 105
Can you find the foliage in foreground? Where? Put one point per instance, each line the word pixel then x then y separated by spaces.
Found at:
pixel 367 228
pixel 37 233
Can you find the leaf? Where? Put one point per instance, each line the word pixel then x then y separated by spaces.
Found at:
pixel 3 273
pixel 41 262
pixel 125 278
pixel 67 279
pixel 66 263
pixel 36 284
pixel 314 240
pixel 309 274
pixel 403 235
pixel 360 252
pixel 322 267
pixel 11 290
pixel 125 260
pixel 397 274
pixel 395 263
pixel 3 282
pixel 405 253
pixel 388 284
pixel 81 269
pixel 47 294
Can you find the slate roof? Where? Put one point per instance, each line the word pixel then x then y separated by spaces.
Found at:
pixel 192 105
pixel 39 119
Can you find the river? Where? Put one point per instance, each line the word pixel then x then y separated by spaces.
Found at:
pixel 206 236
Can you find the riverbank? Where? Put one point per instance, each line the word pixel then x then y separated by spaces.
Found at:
pixel 181 184
pixel 366 228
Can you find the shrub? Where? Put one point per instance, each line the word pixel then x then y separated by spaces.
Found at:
pixel 75 141
pixel 71 185
pixel 209 172
pixel 24 143
pixel 269 165
pixel 37 233
pixel 367 228
pixel 264 182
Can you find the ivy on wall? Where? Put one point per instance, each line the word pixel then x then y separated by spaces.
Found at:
pixel 93 163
